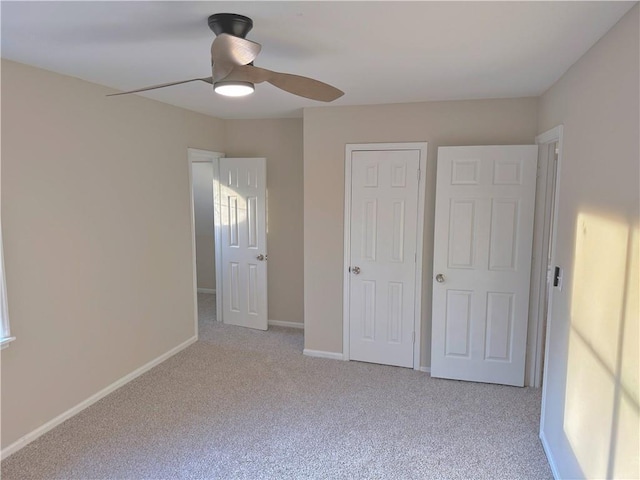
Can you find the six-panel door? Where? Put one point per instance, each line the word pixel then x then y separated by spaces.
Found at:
pixel 242 183
pixel 485 200
pixel 383 238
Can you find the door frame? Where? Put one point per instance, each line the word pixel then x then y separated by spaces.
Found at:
pixel 195 155
pixel 552 135
pixel 417 326
pixel 542 245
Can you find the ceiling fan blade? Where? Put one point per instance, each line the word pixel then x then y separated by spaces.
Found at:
pixel 234 50
pixel 305 87
pixel 220 70
pixel 162 85
pixel 296 84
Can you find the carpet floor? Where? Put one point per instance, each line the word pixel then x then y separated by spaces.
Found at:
pixel 245 404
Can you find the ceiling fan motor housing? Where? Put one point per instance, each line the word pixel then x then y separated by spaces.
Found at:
pixel 230 23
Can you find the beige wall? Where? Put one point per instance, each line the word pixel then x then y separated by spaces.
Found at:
pixel 203 216
pixel 280 141
pixel 591 417
pixel 95 217
pixel 327 130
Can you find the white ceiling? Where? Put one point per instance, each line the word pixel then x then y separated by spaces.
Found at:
pixel 377 52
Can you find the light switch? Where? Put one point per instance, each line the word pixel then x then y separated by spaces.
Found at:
pixel 557 277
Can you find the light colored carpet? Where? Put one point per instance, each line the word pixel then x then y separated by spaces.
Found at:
pixel 247 404
pixel 206 308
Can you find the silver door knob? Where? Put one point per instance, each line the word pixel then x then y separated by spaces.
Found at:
pixel 355 270
pixel 440 278
pixel 261 257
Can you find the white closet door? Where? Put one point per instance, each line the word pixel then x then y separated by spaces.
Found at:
pixel 485 198
pixel 384 218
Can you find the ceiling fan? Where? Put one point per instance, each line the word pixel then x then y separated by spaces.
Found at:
pixel 233 72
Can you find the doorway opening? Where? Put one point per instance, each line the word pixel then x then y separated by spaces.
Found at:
pixel 201 171
pixel 229 238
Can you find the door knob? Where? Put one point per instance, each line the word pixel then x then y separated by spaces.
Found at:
pixel 440 278
pixel 355 270
pixel 261 257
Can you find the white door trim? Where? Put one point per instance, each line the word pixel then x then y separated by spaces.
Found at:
pixel 555 134
pixel 217 235
pixel 350 148
pixel 541 249
pixel 194 155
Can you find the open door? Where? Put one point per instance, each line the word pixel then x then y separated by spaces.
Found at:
pixel 485 199
pixel 240 223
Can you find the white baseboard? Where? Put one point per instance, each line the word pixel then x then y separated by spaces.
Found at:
pixel 321 354
pixel 550 459
pixel 424 369
pixel 281 323
pixel 31 436
pixel 206 290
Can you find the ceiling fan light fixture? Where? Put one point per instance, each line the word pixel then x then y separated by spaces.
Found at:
pixel 233 73
pixel 234 89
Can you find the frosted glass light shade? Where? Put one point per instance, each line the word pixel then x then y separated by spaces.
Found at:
pixel 234 89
